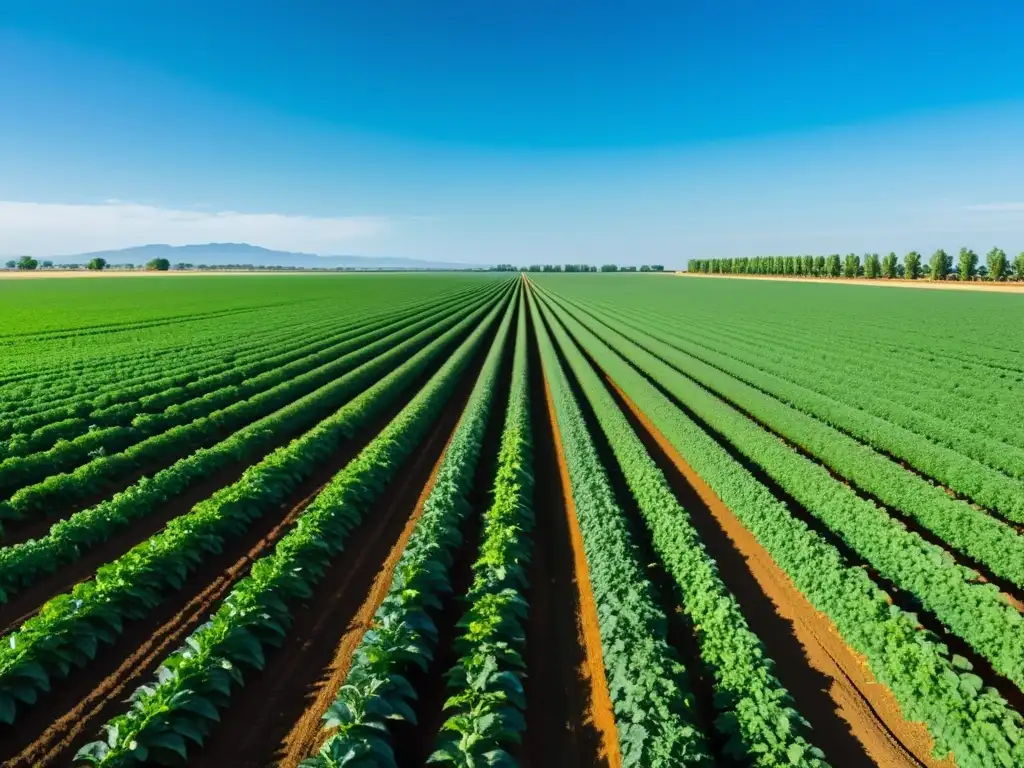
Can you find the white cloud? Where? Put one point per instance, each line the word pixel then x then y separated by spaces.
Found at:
pixel 998 207
pixel 64 229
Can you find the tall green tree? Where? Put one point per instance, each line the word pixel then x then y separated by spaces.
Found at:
pixel 872 266
pixel 834 266
pixel 27 263
pixel 97 263
pixel 851 265
pixel 998 265
pixel 819 266
pixel 158 265
pixel 940 265
pixel 809 266
pixel 889 264
pixel 1018 267
pixel 967 264
pixel 912 266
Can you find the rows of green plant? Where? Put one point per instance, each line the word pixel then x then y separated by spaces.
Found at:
pixel 934 379
pixel 807 379
pixel 986 539
pixel 93 368
pixel 161 410
pixel 156 390
pixel 104 380
pixel 939 416
pixel 943 363
pixel 973 611
pixel 648 685
pixel 177 711
pixel 23 564
pixel 404 636
pixel 754 712
pixel 176 442
pixel 68 629
pixel 485 686
pixel 962 715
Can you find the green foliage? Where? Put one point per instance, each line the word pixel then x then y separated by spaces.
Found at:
pixel 158 265
pixel 940 266
pixel 131 585
pixel 851 265
pixel 27 263
pixel 404 635
pixel 195 681
pixel 96 264
pixel 648 686
pixel 967 264
pixel 998 265
pixel 485 704
pixel 889 266
pixel 755 714
pixel 962 716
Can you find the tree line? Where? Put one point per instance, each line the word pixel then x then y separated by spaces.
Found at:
pixel 997 266
pixel 577 268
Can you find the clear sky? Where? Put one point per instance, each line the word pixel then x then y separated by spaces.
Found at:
pixel 500 130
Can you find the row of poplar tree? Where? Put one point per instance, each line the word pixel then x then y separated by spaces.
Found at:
pixel 940 267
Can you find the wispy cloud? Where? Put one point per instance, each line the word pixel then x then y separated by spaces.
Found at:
pixel 57 228
pixel 998 207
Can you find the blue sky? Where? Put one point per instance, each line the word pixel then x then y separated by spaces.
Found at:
pixel 512 131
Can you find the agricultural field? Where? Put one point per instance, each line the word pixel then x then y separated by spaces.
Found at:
pixel 496 520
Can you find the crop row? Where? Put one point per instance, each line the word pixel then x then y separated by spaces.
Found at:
pixel 87 480
pixel 984 538
pixel 268 418
pixel 648 686
pixel 975 612
pixel 819 389
pixel 176 383
pixel 974 723
pixel 180 708
pixel 404 636
pixel 68 629
pixel 754 711
pixel 175 410
pixel 485 686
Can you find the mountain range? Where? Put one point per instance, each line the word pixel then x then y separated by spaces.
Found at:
pixel 224 254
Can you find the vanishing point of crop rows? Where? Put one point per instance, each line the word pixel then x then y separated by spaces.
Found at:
pixel 498 520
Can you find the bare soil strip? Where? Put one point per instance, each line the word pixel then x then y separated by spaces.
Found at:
pixel 70 715
pixel 855 719
pixel 881 283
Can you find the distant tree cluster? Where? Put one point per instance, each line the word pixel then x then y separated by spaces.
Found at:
pixel 576 268
pixel 997 266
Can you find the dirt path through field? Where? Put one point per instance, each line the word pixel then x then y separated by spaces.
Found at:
pixel 855 719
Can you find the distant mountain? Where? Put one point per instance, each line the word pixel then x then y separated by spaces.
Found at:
pixel 224 254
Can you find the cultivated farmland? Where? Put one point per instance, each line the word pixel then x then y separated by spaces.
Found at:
pixel 570 520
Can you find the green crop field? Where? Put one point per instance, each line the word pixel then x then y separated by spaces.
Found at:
pixel 492 520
